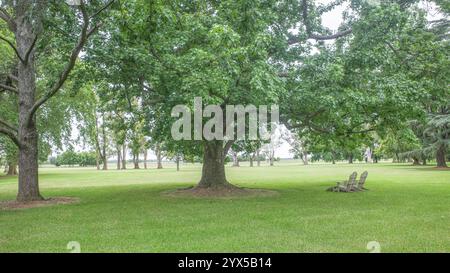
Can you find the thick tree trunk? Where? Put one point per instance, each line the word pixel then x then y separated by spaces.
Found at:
pixel 251 160
pixel 415 161
pixel 28 135
pixel 178 163
pixel 350 159
pixel 424 161
pixel 441 153
pixel 124 157
pixel 213 170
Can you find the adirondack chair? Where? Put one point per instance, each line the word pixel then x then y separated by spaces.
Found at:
pixel 361 182
pixel 347 186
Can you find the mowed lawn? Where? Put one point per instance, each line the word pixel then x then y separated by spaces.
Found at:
pixel 406 210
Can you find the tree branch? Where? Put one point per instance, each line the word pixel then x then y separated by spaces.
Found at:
pixel 11 44
pixel 12 77
pixel 9 88
pixel 4 15
pixel 8 125
pixel 227 147
pixel 102 9
pixel 12 134
pixel 30 49
pixel 294 40
pixel 84 35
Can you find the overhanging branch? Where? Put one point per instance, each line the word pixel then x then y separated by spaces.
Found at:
pixel 319 37
pixel 11 44
pixel 9 88
pixel 84 35
pixel 4 15
pixel 9 131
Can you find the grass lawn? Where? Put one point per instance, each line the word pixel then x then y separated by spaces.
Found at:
pixel 406 210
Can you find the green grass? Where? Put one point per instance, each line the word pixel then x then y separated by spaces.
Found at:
pixel 406 210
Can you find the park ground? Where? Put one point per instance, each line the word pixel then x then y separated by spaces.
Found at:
pixel 407 209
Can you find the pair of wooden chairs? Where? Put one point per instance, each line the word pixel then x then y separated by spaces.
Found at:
pixel 351 185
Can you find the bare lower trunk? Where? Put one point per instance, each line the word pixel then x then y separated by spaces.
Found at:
pixel 119 156
pixel 424 161
pixel 105 163
pixel 271 157
pixel 136 161
pixel 441 153
pixel 258 161
pixel 178 163
pixel 213 170
pixel 251 160
pixel 235 159
pixel 12 169
pixel 158 156
pixel 305 159
pixel 350 159
pixel 97 161
pixel 28 165
pixel 124 157
pixel 415 161
pixel 145 159
pixel 28 135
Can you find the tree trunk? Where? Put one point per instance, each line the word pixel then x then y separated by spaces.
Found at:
pixel 415 161
pixel 145 159
pixel 251 160
pixel 235 159
pixel 119 155
pixel 124 157
pixel 213 170
pixel 158 156
pixel 424 161
pixel 178 163
pixel 12 169
pixel 136 161
pixel 105 161
pixel 397 158
pixel 305 158
pixel 441 153
pixel 350 159
pixel 97 160
pixel 28 135
pixel 258 161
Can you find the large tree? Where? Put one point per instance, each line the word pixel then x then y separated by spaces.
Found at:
pixel 39 59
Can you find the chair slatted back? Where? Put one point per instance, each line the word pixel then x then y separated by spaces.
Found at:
pixel 362 180
pixel 351 181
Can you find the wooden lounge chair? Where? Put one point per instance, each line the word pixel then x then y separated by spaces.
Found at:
pixel 361 182
pixel 347 186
